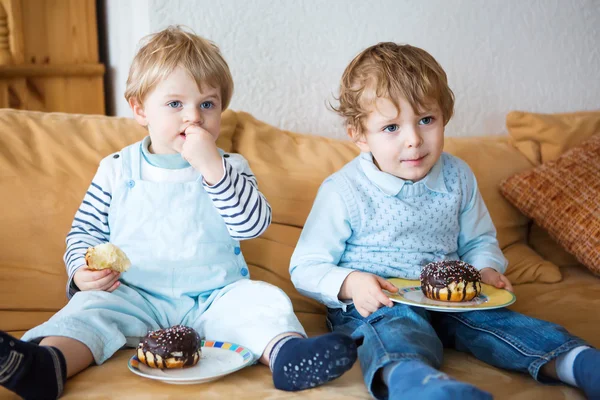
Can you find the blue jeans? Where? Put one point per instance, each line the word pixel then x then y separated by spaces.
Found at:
pixel 500 337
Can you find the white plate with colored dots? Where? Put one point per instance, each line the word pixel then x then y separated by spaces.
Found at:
pixel 217 360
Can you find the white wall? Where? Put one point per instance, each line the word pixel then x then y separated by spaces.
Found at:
pixel 126 23
pixel 287 56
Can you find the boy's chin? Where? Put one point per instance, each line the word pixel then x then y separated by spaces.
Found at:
pixel 177 148
pixel 413 176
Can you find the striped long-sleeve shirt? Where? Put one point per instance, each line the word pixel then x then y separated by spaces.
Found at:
pixel 244 209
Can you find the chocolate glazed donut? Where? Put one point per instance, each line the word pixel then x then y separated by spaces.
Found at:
pixel 450 281
pixel 175 347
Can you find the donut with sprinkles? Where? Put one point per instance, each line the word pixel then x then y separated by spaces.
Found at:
pixel 450 281
pixel 175 347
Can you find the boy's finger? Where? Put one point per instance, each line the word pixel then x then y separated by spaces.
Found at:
pixel 364 313
pixel 194 130
pixel 507 284
pixel 114 286
pixel 384 300
pixel 387 285
pixel 370 305
pixel 91 275
pixel 114 279
pixel 102 283
pixel 378 304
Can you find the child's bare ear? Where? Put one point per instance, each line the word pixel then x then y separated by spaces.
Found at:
pixel 358 138
pixel 138 111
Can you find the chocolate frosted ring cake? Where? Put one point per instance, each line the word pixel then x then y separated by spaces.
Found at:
pixel 450 281
pixel 175 347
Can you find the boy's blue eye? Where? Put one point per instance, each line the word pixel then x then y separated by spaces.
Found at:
pixel 426 121
pixel 174 104
pixel 391 128
pixel 207 105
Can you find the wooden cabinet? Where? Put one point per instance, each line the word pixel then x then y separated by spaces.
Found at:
pixel 49 56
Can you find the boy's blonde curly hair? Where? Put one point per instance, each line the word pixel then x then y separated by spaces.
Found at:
pixel 160 53
pixel 392 71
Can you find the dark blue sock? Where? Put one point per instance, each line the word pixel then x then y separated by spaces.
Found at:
pixel 586 370
pixel 31 371
pixel 415 379
pixel 299 363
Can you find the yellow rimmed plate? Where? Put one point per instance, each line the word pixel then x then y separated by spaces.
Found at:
pixel 409 292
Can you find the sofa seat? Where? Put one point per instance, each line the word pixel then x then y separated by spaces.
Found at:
pixel 573 303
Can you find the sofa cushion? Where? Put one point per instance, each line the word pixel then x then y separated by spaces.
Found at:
pixel 541 241
pixel 47 161
pixel 562 196
pixel 290 167
pixel 544 137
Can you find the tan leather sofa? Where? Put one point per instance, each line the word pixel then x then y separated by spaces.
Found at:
pixel 47 161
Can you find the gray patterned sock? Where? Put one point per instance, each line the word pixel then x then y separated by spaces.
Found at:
pixel 30 370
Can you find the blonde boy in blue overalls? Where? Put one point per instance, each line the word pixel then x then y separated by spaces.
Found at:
pixel 178 206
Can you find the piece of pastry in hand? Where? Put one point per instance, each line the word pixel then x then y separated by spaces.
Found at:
pixel 175 347
pixel 107 255
pixel 450 281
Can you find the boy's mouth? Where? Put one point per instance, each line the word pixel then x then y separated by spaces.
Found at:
pixel 413 161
